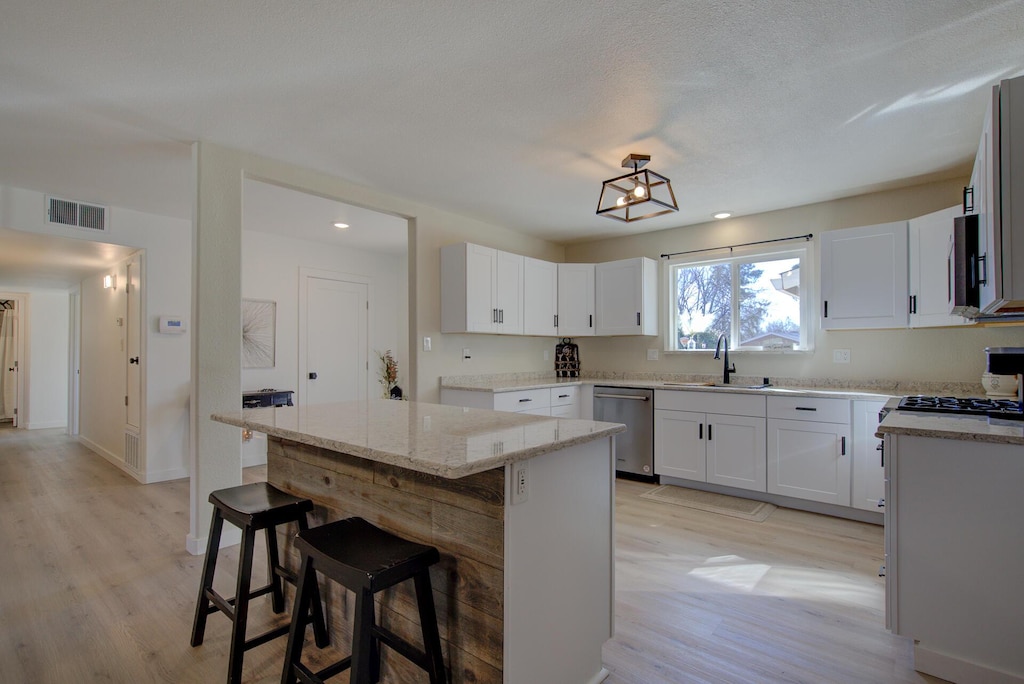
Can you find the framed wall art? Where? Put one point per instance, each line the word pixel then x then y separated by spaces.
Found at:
pixel 259 325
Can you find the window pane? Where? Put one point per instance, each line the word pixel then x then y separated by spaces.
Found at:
pixel 770 304
pixel 703 297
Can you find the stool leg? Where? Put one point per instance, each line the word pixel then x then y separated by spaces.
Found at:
pixel 297 630
pixel 362 638
pixel 428 622
pixel 319 623
pixel 273 563
pixel 244 581
pixel 209 566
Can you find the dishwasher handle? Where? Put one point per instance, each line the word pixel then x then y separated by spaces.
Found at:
pixel 621 396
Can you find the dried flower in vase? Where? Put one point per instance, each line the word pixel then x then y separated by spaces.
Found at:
pixel 388 372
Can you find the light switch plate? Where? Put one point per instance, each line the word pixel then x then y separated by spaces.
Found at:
pixel 426 344
pixel 652 354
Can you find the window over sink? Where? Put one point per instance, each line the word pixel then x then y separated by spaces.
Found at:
pixel 759 299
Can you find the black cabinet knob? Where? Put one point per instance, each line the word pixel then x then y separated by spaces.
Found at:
pixel 312 376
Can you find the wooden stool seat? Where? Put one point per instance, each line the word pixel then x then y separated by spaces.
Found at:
pixel 365 559
pixel 253 507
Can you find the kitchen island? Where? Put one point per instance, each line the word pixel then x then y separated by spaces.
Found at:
pixel 525 586
pixel 954 544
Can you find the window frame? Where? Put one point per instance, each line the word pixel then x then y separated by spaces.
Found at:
pixel 808 310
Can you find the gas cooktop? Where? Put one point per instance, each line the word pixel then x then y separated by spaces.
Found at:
pixel 993 408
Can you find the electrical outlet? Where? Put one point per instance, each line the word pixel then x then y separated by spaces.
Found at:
pixel 426 344
pixel 520 482
pixel 652 354
pixel 465 354
pixel 840 356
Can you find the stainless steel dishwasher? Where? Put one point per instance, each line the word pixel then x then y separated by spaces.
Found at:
pixel 634 448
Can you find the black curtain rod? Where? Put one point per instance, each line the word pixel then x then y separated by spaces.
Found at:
pixel 745 244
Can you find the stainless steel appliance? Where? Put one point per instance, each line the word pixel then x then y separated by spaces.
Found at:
pixel 634 448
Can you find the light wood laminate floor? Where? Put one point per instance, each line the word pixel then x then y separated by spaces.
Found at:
pixel 95 586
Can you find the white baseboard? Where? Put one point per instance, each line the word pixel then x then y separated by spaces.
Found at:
pixel 600 676
pixel 956 670
pixel 112 457
pixel 46 425
pixel 166 475
pixel 229 536
pixel 248 462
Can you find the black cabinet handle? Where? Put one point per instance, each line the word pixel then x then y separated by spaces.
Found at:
pixel 700 430
pixel 881 448
pixel 638 318
pixel 522 400
pixel 709 432
pixel 312 376
pixel 494 315
pixel 591 320
pixel 968 199
pixel 826 308
pixel 501 315
pixel 556 320
pixel 805 408
pixel 842 449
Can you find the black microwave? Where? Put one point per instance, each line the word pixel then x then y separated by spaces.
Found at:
pixel 964 267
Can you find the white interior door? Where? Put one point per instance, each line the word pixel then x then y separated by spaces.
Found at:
pixel 336 344
pixel 9 343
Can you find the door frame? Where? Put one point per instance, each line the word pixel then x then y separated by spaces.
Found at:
pixel 22 300
pixel 305 274
pixel 74 358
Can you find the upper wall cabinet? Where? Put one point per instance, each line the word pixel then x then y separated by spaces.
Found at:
pixel 627 297
pixel 864 277
pixel 575 300
pixel 540 297
pixel 481 290
pixel 929 238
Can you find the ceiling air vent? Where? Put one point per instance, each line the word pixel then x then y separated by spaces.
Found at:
pixel 77 214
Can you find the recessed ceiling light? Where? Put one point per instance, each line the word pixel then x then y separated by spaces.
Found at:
pixel 722 215
pixel 341 225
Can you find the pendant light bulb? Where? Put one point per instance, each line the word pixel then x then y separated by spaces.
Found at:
pixel 640 192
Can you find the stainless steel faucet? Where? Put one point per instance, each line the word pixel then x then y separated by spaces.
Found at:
pixel 725 361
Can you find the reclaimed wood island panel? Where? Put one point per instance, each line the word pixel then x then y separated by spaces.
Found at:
pixel 524 589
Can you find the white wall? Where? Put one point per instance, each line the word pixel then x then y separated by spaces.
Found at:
pixel 929 354
pixel 270 270
pixel 44 368
pixel 168 286
pixel 103 373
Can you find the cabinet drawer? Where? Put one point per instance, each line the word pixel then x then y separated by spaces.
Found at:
pixel 523 400
pixel 567 411
pixel 710 402
pixel 564 396
pixel 815 409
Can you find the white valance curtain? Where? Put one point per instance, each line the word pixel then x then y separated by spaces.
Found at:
pixel 8 386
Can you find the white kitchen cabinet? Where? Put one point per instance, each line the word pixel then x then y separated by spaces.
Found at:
pixel 929 238
pixel 864 281
pixel 954 553
pixel 540 297
pixel 809 448
pixel 481 290
pixel 983 198
pixel 559 402
pixel 710 437
pixel 627 297
pixel 867 489
pixel 576 300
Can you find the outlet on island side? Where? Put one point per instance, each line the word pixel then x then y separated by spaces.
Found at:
pixel 520 482
pixel 840 356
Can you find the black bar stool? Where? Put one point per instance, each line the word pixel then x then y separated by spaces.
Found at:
pixel 253 507
pixel 366 560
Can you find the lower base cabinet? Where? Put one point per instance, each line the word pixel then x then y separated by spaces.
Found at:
pixel 809 460
pixel 719 448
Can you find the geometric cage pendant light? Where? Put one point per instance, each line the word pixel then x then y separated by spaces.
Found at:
pixel 638 194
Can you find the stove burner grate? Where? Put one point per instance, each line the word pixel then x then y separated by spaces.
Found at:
pixel 984 406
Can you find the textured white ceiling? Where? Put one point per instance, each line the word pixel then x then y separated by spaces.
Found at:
pixel 510 112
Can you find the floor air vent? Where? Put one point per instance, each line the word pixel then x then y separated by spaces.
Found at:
pixel 77 214
pixel 131 450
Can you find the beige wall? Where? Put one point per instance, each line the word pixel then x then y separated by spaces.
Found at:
pixel 935 354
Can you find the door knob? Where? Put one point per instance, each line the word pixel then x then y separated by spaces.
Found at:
pixel 312 376
pixel 134 359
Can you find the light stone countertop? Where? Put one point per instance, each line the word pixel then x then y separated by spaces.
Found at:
pixel 449 441
pixel 946 426
pixel 739 386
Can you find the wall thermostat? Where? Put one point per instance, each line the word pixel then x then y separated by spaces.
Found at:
pixel 172 324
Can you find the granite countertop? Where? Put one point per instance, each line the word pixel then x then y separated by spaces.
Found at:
pixel 946 426
pixel 740 385
pixel 449 441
